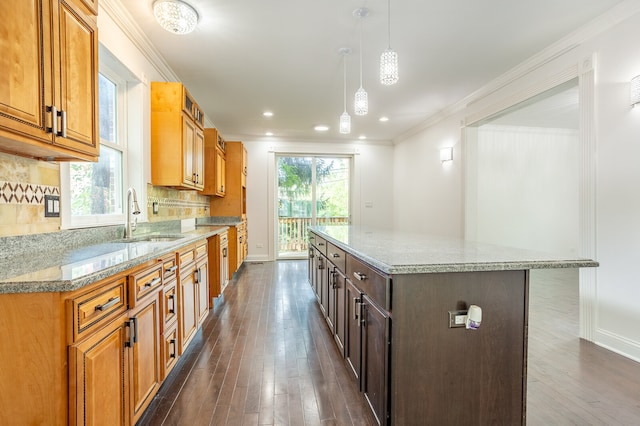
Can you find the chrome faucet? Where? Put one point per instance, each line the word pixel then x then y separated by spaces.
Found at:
pixel 132 208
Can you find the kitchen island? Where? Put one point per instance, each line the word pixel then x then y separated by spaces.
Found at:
pixel 396 304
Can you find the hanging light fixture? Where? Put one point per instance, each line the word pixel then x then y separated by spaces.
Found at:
pixel 175 16
pixel 345 118
pixel 361 103
pixel 389 58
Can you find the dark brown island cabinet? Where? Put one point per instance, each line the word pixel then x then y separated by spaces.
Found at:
pixel 396 305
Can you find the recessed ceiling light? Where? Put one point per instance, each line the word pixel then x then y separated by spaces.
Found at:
pixel 362 137
pixel 269 134
pixel 321 128
pixel 383 119
pixel 267 114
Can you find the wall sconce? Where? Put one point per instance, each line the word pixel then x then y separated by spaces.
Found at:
pixel 446 154
pixel 635 91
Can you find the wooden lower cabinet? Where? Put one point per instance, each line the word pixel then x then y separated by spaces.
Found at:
pixel 353 331
pixel 338 310
pixel 170 349
pixel 202 290
pixel 187 320
pixel 144 358
pixel 98 372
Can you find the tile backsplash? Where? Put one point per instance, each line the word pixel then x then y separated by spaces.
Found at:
pixel 23 184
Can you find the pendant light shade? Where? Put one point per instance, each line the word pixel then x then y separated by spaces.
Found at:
pixel 345 118
pixel 175 16
pixel 361 101
pixel 389 59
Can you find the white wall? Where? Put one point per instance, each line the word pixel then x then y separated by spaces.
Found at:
pixel 618 175
pixel 527 186
pixel 372 185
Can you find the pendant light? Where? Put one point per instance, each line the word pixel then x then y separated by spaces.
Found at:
pixel 389 58
pixel 361 102
pixel 345 118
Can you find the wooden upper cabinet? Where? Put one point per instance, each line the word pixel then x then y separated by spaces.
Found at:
pixel 234 201
pixel 48 92
pixel 177 138
pixel 215 163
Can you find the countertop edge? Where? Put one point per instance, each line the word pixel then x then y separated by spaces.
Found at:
pixel 56 286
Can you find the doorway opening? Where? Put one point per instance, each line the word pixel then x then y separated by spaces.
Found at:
pixel 311 190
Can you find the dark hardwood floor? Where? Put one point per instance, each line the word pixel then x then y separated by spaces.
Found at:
pixel 265 357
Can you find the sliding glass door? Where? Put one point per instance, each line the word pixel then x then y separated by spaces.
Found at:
pixel 311 190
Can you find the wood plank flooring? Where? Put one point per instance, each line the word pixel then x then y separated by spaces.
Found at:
pixel 265 357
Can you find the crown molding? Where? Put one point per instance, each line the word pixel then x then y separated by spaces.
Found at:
pixel 132 31
pixel 607 20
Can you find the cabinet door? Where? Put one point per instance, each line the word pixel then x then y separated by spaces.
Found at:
pixel 26 61
pixel 145 356
pixel 339 312
pixel 98 371
pixel 353 331
pixel 198 159
pixel 311 267
pixel 188 143
pixel 220 173
pixel 202 287
pixel 323 285
pixel 375 368
pixel 170 349
pixel 187 316
pixel 78 80
pixel 331 303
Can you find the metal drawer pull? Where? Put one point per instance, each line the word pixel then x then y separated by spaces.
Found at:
pixel 54 120
pixel 111 302
pixel 172 342
pixel 172 309
pixel 153 282
pixel 359 276
pixel 335 255
pixel 320 244
pixel 172 269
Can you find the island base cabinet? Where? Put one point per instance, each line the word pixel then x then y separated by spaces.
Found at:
pixel 454 375
pixel 375 358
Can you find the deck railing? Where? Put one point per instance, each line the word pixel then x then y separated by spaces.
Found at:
pixel 292 231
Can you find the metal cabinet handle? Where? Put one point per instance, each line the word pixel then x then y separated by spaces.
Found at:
pixel 359 276
pixel 335 255
pixel 172 342
pixel 111 302
pixel 153 282
pixel 63 133
pixel 172 309
pixel 172 269
pixel 133 328
pixel 356 303
pixel 54 119
pixel 320 244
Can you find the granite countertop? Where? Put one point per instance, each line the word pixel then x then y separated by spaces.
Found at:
pixel 57 267
pixel 409 253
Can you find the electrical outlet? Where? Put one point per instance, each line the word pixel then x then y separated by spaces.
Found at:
pixel 457 318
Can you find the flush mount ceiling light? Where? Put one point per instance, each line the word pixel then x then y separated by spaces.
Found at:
pixel 389 58
pixel 175 16
pixel 321 128
pixel 267 114
pixel 345 118
pixel 361 103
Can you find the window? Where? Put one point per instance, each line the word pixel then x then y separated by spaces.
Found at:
pixel 92 194
pixel 96 188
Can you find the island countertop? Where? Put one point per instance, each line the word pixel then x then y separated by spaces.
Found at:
pixel 394 252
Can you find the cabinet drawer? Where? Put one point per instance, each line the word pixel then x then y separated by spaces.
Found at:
pixel 93 309
pixel 224 238
pixel 337 256
pixel 145 282
pixel 169 267
pixel 373 283
pixel 170 302
pixel 319 243
pixel 186 256
pixel 201 249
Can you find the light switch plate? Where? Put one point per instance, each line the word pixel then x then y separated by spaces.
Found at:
pixel 51 206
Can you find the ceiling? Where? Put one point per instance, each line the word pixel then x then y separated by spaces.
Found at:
pixel 249 56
